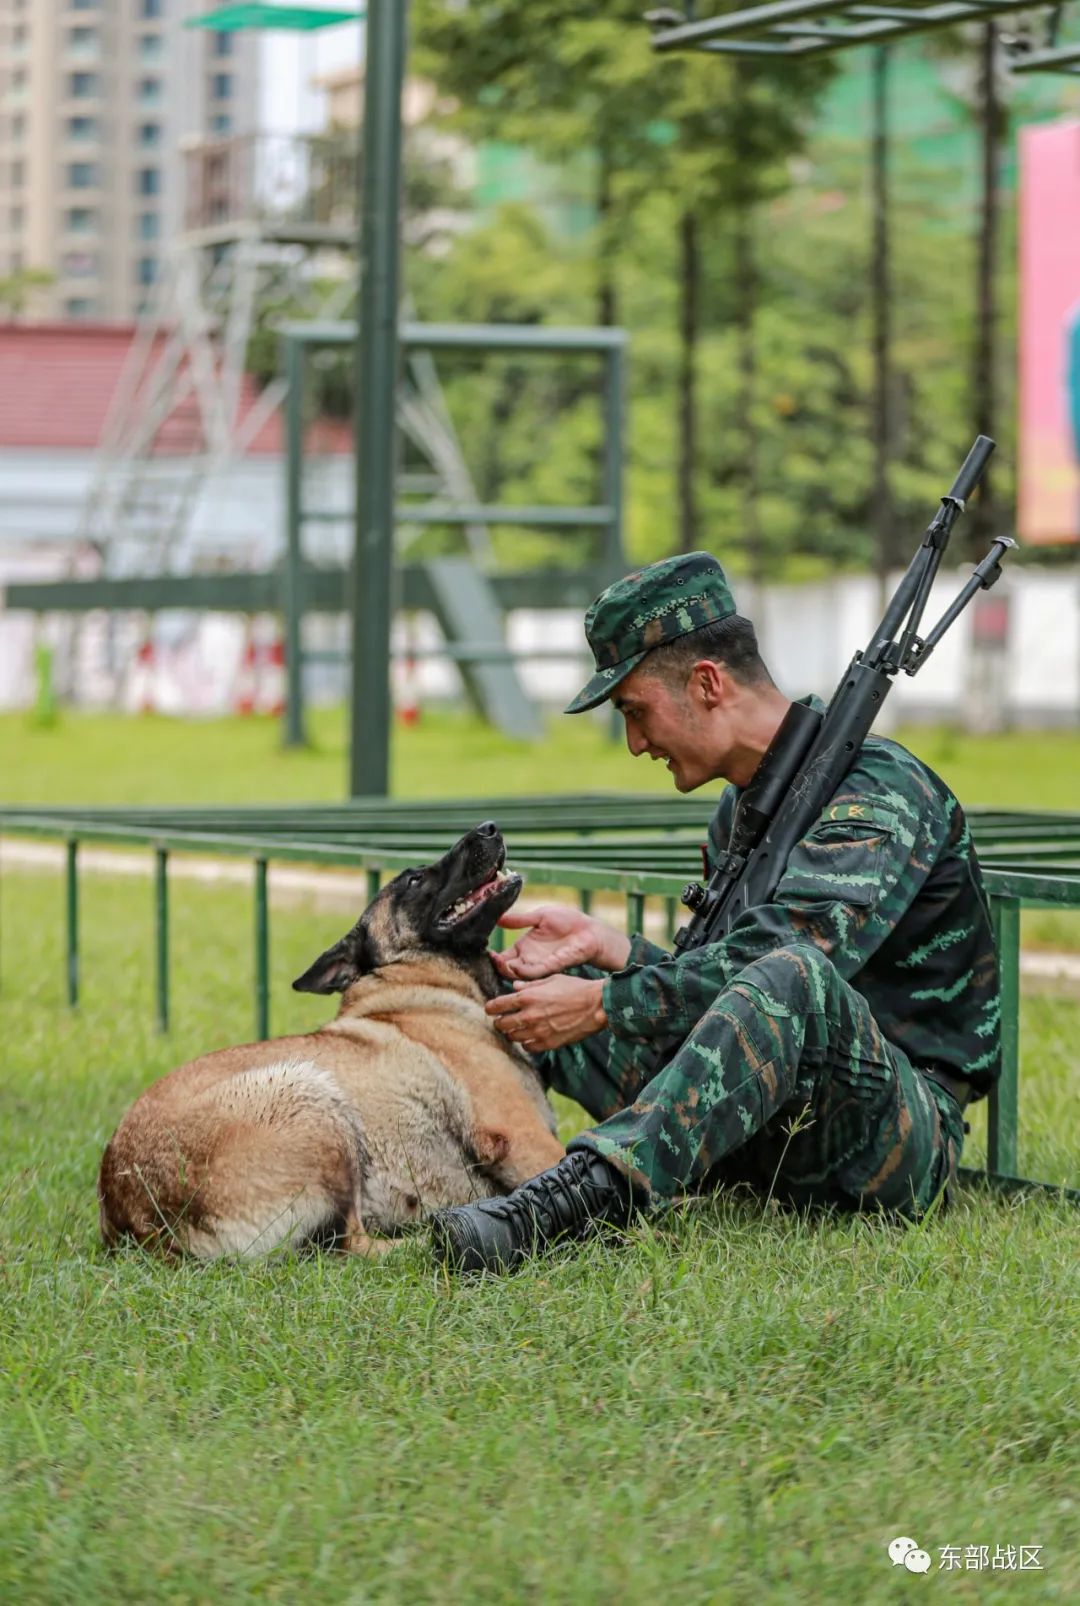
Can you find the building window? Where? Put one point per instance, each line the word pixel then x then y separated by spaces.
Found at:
pixel 149 91
pixel 81 219
pixel 18 173
pixel 85 5
pixel 223 44
pixel 150 9
pixel 150 47
pixel 149 134
pixel 221 123
pixel 78 307
pixel 82 128
pixel 82 85
pixel 148 181
pixel 222 85
pixel 18 125
pixel 79 264
pixel 18 217
pixel 82 175
pixel 80 40
pixel 147 270
pixel 149 226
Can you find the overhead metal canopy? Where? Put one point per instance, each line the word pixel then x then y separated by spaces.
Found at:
pixel 816 27
pixel 301 19
pixel 1064 59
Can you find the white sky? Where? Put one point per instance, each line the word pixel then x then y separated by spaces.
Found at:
pixel 292 60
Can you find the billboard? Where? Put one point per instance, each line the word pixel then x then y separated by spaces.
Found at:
pixel 1048 501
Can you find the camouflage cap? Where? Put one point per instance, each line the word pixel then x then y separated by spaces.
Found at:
pixel 644 609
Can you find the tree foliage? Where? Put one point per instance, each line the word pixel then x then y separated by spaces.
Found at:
pixel 654 138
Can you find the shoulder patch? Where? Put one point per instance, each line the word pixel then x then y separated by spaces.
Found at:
pixel 859 814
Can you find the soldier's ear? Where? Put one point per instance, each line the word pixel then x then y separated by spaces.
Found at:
pixel 337 969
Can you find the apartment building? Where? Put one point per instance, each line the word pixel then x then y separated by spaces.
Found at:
pixel 97 100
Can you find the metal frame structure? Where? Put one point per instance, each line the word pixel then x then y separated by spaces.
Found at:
pixel 1059 59
pixel 1053 56
pixel 374 600
pixel 584 844
pixel 298 587
pixel 815 27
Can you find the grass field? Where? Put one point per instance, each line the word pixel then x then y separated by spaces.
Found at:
pixel 110 759
pixel 735 1405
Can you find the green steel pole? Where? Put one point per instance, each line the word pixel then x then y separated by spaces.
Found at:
pixel 262 954
pixel 161 928
pixel 376 393
pixel 614 560
pixel 614 424
pixel 292 598
pixel 72 890
pixel 1003 1114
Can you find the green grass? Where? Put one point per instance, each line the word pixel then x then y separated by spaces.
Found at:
pixel 107 758
pixel 736 1405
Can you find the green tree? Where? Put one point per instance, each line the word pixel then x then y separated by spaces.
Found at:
pixel 17 289
pixel 711 131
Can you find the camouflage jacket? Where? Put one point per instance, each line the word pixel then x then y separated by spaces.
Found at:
pixel 888 884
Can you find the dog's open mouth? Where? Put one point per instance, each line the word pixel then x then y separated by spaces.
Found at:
pixel 466 906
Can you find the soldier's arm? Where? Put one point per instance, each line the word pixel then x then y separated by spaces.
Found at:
pixel 846 886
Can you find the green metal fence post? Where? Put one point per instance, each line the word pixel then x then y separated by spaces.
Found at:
pixel 374 881
pixel 635 913
pixel 72 889
pixel 1004 1102
pixel 376 393
pixel 161 933
pixel 262 954
pixel 292 573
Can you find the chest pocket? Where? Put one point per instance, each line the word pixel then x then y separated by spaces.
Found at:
pixel 841 860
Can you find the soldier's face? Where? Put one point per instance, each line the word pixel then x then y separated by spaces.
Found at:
pixel 673 726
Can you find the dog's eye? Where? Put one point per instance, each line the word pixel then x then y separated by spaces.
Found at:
pixel 415 879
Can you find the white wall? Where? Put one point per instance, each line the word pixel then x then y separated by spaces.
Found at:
pixel 808 633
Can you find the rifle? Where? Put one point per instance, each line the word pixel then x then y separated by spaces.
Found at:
pixel 813 751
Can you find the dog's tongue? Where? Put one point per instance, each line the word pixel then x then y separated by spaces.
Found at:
pixel 479 893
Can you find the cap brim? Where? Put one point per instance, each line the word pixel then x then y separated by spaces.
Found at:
pixel 602 684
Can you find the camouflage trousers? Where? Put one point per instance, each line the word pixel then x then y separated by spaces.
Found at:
pixel 785 1084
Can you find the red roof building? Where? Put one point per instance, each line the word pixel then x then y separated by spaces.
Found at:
pixel 57 381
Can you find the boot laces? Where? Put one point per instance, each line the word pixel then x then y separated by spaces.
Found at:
pixel 562 1199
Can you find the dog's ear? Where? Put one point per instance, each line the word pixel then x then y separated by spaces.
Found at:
pixel 339 966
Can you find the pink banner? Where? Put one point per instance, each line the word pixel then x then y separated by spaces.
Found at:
pixel 1049 454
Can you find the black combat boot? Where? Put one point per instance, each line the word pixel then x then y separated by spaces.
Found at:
pixel 572 1200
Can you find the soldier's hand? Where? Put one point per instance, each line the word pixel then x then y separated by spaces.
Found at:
pixel 558 938
pixel 550 1013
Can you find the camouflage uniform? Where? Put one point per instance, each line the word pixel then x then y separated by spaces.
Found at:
pixel 790 1054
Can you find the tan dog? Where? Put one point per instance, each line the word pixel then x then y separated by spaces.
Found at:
pixel 408 1101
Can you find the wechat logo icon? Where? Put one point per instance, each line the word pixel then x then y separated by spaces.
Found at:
pixel 906 1553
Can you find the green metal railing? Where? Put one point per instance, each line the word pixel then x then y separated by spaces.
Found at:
pixel 1029 859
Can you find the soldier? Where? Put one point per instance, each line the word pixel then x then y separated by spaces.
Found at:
pixel 823 1051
